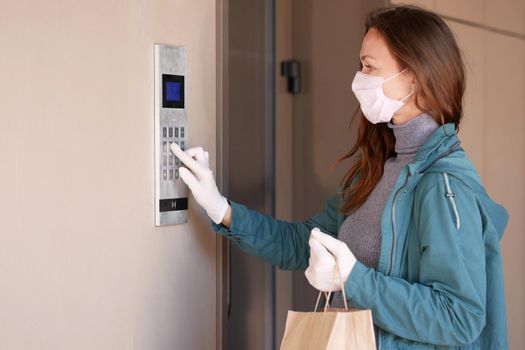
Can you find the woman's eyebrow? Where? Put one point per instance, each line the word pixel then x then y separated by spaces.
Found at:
pixel 365 56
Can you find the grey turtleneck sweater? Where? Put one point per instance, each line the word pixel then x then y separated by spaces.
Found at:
pixel 361 230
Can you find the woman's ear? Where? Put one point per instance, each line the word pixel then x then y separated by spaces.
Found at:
pixel 413 79
pixel 413 82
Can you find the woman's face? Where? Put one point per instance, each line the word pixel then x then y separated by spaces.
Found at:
pixel 377 60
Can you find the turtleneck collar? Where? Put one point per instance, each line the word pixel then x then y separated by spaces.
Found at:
pixel 412 134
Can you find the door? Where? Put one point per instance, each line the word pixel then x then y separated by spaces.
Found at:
pixel 325 37
pixel 246 138
pixel 277 147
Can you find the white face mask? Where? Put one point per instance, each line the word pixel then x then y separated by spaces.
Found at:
pixel 376 107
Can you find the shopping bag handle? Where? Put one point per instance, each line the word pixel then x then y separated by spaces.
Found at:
pixel 328 294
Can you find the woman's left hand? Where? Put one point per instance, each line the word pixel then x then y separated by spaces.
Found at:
pixel 330 262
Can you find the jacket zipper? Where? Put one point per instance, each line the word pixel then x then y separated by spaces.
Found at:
pixel 392 214
pixel 450 195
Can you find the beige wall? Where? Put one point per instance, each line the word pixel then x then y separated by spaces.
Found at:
pixel 81 264
pixel 491 34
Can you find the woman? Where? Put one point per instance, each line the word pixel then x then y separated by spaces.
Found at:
pixel 410 231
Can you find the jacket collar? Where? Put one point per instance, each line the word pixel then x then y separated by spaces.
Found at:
pixel 441 142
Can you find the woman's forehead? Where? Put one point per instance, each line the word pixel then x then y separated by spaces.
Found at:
pixel 375 46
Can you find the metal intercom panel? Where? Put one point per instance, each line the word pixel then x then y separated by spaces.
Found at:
pixel 171 193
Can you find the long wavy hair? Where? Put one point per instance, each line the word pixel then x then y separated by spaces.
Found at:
pixel 420 40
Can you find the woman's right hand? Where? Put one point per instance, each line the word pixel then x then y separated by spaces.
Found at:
pixel 201 182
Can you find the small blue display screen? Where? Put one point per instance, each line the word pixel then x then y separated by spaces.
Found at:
pixel 173 91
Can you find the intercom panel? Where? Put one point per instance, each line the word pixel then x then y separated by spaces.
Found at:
pixel 171 81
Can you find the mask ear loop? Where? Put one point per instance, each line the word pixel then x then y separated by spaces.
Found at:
pixel 407 96
pixel 395 75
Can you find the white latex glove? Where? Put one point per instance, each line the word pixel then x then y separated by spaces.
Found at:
pixel 330 262
pixel 201 182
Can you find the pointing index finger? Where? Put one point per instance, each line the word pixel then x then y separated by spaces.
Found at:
pixel 191 163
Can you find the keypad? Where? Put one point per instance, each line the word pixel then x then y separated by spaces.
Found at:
pixel 169 162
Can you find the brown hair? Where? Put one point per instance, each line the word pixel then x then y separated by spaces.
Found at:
pixel 421 41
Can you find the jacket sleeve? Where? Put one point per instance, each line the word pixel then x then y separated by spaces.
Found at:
pixel 279 242
pixel 446 306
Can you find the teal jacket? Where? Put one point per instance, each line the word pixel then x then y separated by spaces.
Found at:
pixel 439 281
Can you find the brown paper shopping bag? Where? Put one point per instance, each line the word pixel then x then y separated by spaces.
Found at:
pixel 331 329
